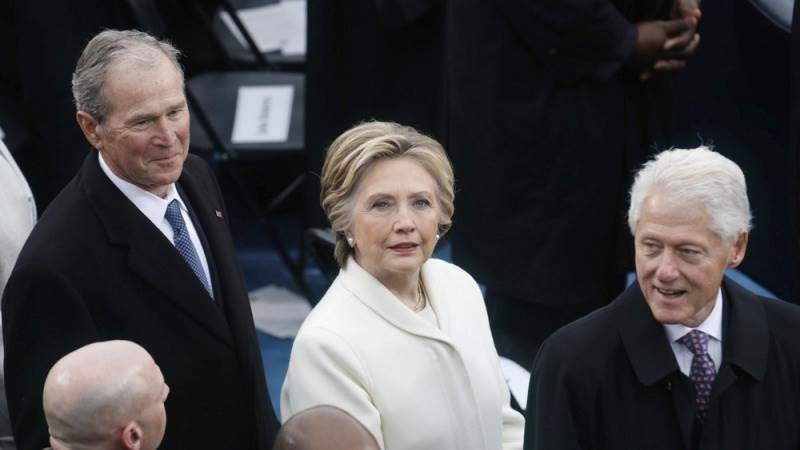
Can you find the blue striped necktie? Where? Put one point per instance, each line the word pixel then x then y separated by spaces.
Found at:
pixel 184 244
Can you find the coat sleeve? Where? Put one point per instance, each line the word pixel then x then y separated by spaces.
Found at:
pixel 576 39
pixel 44 318
pixel 325 370
pixel 559 410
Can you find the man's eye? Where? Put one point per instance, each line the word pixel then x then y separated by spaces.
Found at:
pixel 690 252
pixel 650 246
pixel 175 113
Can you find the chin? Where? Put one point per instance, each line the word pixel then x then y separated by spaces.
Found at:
pixel 408 265
pixel 667 316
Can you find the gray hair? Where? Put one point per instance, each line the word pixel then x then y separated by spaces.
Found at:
pixel 700 177
pixel 110 49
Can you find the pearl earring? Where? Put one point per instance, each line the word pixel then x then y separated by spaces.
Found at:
pixel 437 236
pixel 351 242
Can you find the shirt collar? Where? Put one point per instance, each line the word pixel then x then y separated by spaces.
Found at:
pixel 712 326
pixel 151 205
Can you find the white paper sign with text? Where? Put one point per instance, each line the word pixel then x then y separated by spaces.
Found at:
pixel 263 114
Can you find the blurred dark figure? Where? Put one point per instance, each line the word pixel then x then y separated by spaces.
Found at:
pixel 794 150
pixel 551 106
pixel 735 97
pixel 324 428
pixel 48 38
pixel 370 59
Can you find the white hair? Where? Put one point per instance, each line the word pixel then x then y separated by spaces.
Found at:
pixel 696 177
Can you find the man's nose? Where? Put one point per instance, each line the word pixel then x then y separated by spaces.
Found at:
pixel 165 133
pixel 667 267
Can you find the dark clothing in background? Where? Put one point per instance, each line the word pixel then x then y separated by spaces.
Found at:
pixel 370 59
pixel 611 381
pixel 49 36
pixel 546 125
pixel 793 160
pixel 95 269
pixel 734 95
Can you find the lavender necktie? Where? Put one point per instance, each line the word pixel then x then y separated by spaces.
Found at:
pixel 184 244
pixel 703 370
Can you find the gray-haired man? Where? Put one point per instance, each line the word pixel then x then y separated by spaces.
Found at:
pixel 137 247
pixel 685 358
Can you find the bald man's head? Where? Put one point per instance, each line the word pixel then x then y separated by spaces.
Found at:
pixel 106 395
pixel 324 428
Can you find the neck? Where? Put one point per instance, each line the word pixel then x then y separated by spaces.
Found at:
pixel 403 286
pixel 405 289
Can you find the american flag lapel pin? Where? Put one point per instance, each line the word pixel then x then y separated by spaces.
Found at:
pixel 218 213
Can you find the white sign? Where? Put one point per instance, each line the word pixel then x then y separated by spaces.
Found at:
pixel 279 26
pixel 263 114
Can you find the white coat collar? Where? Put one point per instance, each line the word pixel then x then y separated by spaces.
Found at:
pixel 369 291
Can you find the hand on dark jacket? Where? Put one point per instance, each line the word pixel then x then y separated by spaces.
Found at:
pixel 664 45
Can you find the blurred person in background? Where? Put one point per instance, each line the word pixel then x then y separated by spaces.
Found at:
pixel 16 223
pixel 552 104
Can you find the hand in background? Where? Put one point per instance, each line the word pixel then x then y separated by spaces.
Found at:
pixel 665 45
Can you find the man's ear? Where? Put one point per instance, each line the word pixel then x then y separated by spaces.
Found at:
pixel 132 436
pixel 739 249
pixel 89 127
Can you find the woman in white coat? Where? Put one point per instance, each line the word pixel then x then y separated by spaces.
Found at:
pixel 400 341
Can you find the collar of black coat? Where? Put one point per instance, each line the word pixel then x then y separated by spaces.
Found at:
pixel 745 334
pixel 150 254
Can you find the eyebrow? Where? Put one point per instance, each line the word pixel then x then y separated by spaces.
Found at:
pixel 386 194
pixel 149 116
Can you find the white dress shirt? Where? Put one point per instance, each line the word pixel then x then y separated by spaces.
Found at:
pixel 155 208
pixel 712 326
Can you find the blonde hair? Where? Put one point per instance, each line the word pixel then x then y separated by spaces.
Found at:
pixel 355 150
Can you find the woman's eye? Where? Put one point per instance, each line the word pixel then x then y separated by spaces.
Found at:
pixel 422 203
pixel 380 204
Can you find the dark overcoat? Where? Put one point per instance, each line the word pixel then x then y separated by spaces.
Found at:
pixel 95 269
pixel 611 381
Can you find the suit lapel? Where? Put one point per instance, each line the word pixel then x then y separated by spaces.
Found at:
pixel 745 337
pixel 651 356
pixel 150 255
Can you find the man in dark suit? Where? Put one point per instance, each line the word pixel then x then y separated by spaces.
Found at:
pixel 137 247
pixel 685 358
pixel 551 105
